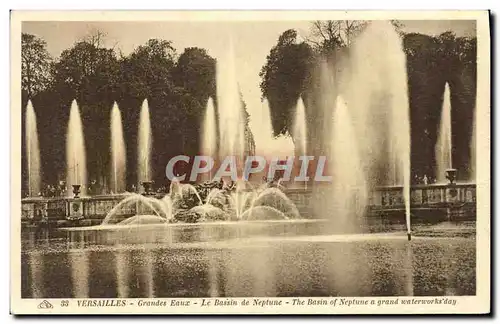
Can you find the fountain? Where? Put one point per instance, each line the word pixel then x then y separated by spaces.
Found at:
pixel 32 151
pixel 271 203
pixel 300 131
pixel 184 204
pixel 76 175
pixel 209 134
pixel 183 191
pixel 242 239
pixel 365 137
pixel 144 142
pixel 231 119
pixel 379 120
pixel 242 198
pixel 139 209
pixel 118 158
pixel 349 187
pixel 444 145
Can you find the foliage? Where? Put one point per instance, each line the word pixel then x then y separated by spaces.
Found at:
pixel 284 77
pixel 431 62
pixel 177 88
pixel 35 65
pixel 195 72
pixel 330 35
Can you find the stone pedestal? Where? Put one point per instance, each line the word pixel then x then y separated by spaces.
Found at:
pixel 75 209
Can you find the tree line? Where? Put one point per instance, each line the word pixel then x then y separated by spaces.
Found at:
pixel 177 87
pixel 291 71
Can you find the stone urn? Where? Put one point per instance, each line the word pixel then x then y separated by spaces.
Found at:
pixel 76 190
pixel 451 175
pixel 148 187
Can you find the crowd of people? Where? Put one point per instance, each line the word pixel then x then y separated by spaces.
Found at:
pixel 423 180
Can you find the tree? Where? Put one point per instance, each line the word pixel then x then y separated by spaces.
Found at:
pixel 146 71
pixel 329 35
pixel 332 34
pixel 35 65
pixel 89 73
pixel 195 72
pixel 284 78
pixel 432 62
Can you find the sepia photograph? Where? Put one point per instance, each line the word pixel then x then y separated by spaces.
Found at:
pixel 188 162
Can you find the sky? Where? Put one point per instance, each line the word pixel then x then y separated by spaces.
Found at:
pixel 251 43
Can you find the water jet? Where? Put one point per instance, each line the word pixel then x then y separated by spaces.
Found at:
pixel 32 151
pixel 75 151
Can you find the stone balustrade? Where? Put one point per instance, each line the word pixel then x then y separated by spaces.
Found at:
pixel 453 201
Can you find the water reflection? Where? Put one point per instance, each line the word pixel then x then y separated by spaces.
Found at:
pixel 35 259
pixel 212 262
pixel 79 264
pixel 122 273
pixel 213 273
pixel 408 271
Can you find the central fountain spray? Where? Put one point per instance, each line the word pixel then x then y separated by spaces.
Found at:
pixel 118 159
pixel 144 142
pixel 443 145
pixel 300 131
pixel 75 153
pixel 32 151
pixel 209 133
pixel 382 112
pixel 375 88
pixel 349 181
pixel 231 120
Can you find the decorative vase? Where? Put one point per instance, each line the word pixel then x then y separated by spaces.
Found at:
pixel 76 190
pixel 148 187
pixel 451 175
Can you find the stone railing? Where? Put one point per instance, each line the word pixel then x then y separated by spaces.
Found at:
pixel 454 198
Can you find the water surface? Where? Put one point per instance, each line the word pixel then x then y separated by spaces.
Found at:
pixel 237 260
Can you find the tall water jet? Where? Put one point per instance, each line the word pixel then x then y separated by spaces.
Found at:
pixel 377 97
pixel 400 131
pixel 299 130
pixel 76 173
pixel 231 119
pixel 443 145
pixel 118 158
pixel 32 151
pixel 144 142
pixel 209 133
pixel 349 185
